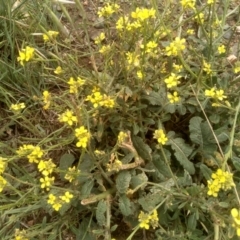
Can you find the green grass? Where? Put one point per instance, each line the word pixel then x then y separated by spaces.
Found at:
pixel 137 137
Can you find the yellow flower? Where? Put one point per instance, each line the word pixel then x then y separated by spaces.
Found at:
pixel 237 69
pixel 190 31
pixel 207 67
pixel 46 99
pixel 143 218
pixel 236 220
pixel 160 136
pixel 143 14
pixel 72 174
pixel 200 18
pixel 221 49
pixel 17 107
pixel 210 93
pixel 122 23
pixel 173 98
pixel 172 81
pixel 188 3
pixel 66 197
pixel 219 95
pixel 176 47
pixel 3 183
pixel 75 84
pixel 105 49
pixel 100 38
pixel 108 10
pixel 220 180
pixel 51 35
pixel 122 137
pixel 3 164
pixel 20 235
pixel 58 70
pixel 210 1
pixel 46 182
pixel 83 136
pixel 46 167
pixel 68 117
pixel 25 55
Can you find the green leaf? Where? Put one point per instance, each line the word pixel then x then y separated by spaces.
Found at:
pixel 142 148
pixel 182 151
pixel 206 171
pixel 125 205
pixel 155 98
pixel 100 212
pixel 201 134
pixel 192 222
pixel 122 181
pixel 139 180
pixel 66 161
pixel 236 163
pixel 86 189
pixel 83 232
pixel 159 163
pixel 150 201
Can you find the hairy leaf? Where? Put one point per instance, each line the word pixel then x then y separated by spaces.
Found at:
pixel 122 181
pixel 206 171
pixel 142 148
pixel 100 212
pixel 138 180
pixel 66 161
pixel 201 134
pixel 159 163
pixel 182 151
pixel 125 205
pixel 150 201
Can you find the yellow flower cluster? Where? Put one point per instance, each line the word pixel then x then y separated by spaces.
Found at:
pixel 83 136
pixel 172 80
pixel 188 3
pixel 114 165
pixel 140 16
pixel 17 107
pixel 46 99
pixel 108 10
pixel 57 202
pixel 99 38
pixel 173 98
pixel 58 70
pixel 3 165
pixel 220 180
pixel 20 235
pixel 97 99
pixel 46 167
pixel 33 153
pixel 216 95
pixel 105 49
pixel 50 36
pixel 25 55
pixel 68 117
pixel 122 137
pixel 72 174
pixel 221 49
pixel 160 136
pixel 176 47
pixel 75 84
pixel 236 220
pixel 207 68
pixel 147 220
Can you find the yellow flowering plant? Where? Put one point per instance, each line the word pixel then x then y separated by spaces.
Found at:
pixel 123 117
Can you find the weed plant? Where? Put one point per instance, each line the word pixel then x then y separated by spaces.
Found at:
pixel 130 134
